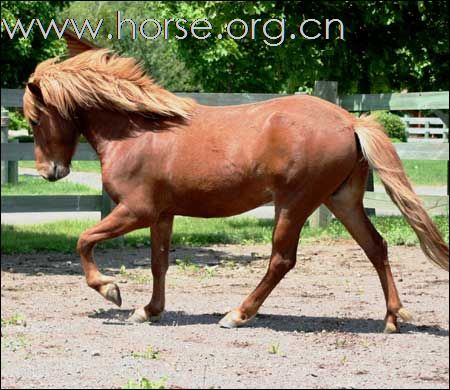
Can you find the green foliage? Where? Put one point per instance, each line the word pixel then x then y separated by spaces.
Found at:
pixel 413 53
pixel 157 56
pixel 392 124
pixel 19 55
pixel 388 46
pixel 17 121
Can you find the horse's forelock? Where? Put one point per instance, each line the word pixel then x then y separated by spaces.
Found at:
pixel 32 106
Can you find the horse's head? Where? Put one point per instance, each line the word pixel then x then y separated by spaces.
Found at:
pixel 55 138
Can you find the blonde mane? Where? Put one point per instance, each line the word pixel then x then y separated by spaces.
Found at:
pixel 101 79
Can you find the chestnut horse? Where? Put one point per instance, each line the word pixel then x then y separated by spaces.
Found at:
pixel 163 155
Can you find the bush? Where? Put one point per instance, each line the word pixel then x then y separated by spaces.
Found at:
pixel 17 121
pixel 393 125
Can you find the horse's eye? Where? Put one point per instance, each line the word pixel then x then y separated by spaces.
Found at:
pixel 33 122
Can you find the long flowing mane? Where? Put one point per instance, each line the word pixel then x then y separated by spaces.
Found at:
pixel 101 79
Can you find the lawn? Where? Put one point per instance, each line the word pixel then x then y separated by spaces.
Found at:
pixel 425 173
pixel 34 185
pixel 62 236
pixel 77 166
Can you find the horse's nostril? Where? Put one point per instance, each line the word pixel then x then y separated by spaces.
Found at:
pixel 61 171
pixel 53 169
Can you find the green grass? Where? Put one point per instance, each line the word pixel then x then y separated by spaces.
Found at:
pixel 32 185
pixel 62 236
pixel 77 166
pixel 274 349
pixel 150 354
pixel 15 343
pixel 425 173
pixel 15 319
pixel 144 383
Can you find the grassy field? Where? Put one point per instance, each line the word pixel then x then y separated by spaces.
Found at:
pixel 432 173
pixel 77 166
pixel 425 173
pixel 34 185
pixel 62 236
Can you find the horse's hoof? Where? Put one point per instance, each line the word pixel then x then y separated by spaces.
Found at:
pixel 234 320
pixel 404 314
pixel 391 328
pixel 113 294
pixel 139 316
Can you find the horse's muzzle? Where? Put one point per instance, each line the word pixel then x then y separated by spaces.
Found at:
pixel 55 172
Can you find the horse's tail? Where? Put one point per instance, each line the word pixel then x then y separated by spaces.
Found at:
pixel 381 155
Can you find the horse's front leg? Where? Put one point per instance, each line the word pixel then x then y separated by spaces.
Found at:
pixel 161 235
pixel 120 221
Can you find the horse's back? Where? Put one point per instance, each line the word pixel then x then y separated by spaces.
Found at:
pixel 284 134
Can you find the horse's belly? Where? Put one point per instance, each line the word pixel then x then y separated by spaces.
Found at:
pixel 221 203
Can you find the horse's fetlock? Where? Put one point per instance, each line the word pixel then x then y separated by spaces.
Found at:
pixel 93 283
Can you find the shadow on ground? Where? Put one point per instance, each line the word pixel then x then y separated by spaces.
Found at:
pixel 277 322
pixel 110 260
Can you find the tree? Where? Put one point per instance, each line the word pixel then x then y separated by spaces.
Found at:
pixel 158 57
pixel 19 56
pixel 388 46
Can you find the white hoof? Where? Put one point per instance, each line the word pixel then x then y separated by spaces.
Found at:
pixel 234 320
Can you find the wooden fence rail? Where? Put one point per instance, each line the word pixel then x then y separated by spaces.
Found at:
pixel 12 98
pixel 426 127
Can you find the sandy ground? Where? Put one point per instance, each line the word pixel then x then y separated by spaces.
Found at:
pixel 320 328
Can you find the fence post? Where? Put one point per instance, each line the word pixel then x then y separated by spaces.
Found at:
pixel 326 90
pixel 427 129
pixel 13 168
pixel 4 140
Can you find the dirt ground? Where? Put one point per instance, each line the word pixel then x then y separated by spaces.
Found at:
pixel 320 328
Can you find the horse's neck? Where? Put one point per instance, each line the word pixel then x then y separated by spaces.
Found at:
pixel 103 127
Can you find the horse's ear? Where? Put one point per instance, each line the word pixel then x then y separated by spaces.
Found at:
pixel 35 89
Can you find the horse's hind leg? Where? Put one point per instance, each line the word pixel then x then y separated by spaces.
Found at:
pixel 117 223
pixel 283 258
pixel 347 206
